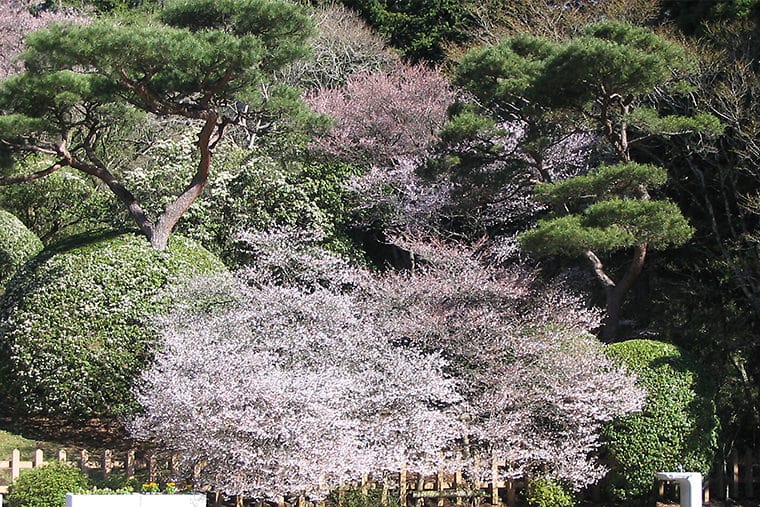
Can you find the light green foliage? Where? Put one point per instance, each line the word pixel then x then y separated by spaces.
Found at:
pixel 569 235
pixel 647 119
pixel 607 213
pixel 46 486
pixel 73 329
pixel 248 190
pixel 58 206
pixel 498 74
pixel 545 492
pixel 355 497
pixel 420 29
pixel 607 58
pixel 677 429
pixel 608 180
pixel 211 63
pixel 17 245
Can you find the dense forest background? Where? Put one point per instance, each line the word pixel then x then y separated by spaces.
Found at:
pixel 444 121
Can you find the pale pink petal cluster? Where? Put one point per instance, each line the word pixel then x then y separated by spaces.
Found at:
pixel 15 22
pixel 292 384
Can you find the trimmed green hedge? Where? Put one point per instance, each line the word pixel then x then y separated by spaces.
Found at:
pixel 677 429
pixel 73 331
pixel 17 245
pixel 46 486
pixel 545 492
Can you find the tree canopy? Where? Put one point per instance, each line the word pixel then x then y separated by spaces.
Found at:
pixel 196 60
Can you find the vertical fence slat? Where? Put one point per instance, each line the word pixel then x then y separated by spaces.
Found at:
pixel 402 491
pixel 494 481
pixel 129 464
pixel 384 493
pixel 84 458
pixel 106 464
pixel 441 483
pixel 152 468
pixel 734 474
pixel 62 456
pixel 15 464
pixel 458 485
pixel 749 477
pixel 39 458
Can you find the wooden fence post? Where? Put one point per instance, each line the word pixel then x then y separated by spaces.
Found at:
pixel 62 456
pixel 39 459
pixel 384 493
pixel 494 481
pixel 152 468
pixel 84 458
pixel 106 464
pixel 174 464
pixel 402 486
pixel 15 464
pixel 129 464
pixel 749 478
pixel 441 483
pixel 734 474
pixel 420 488
pixel 458 485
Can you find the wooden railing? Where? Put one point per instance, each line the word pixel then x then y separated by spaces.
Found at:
pixel 409 488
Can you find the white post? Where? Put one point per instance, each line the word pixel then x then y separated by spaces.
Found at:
pixel 689 485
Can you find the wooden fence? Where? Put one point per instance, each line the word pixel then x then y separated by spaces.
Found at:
pixel 408 488
pixel 738 479
pixel 102 464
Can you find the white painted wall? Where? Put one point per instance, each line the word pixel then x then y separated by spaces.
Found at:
pixel 135 500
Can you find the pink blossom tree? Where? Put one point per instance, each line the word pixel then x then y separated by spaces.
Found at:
pixel 386 122
pixel 15 22
pixel 287 389
pixel 536 384
pixel 278 381
pixel 383 117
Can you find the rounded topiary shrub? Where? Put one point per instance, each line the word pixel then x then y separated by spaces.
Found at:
pixel 677 430
pixel 46 486
pixel 17 245
pixel 74 329
pixel 546 492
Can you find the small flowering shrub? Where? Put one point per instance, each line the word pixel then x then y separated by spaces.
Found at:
pixel 73 331
pixel 17 244
pixel 46 486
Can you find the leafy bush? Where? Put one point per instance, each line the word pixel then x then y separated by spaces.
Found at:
pixel 46 486
pixel 17 244
pixel 677 430
pixel 356 497
pixel 72 324
pixel 59 206
pixel 545 492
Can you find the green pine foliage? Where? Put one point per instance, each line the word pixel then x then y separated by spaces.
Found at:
pixel 73 330
pixel 600 212
pixel 420 29
pixel 677 430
